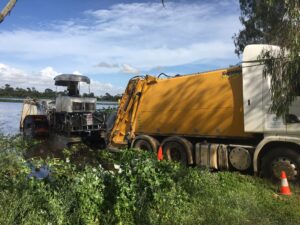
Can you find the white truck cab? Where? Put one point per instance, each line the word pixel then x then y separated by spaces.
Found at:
pixel 280 146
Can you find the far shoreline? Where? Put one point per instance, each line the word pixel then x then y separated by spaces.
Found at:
pixel 20 100
pixel 13 100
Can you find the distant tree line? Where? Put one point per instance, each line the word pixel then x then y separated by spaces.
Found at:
pixel 9 92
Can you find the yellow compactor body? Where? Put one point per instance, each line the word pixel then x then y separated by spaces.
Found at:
pixel 218 119
pixel 208 104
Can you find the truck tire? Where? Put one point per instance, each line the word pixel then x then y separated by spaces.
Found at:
pixel 145 142
pixel 178 149
pixel 281 159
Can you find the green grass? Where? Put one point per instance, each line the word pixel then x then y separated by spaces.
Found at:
pixel 80 191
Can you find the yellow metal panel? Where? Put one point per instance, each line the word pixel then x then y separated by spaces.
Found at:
pixel 126 113
pixel 207 104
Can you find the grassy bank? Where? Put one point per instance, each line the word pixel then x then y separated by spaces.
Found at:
pixel 143 191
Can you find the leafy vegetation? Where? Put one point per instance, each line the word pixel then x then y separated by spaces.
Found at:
pixel 275 22
pixel 85 188
pixel 261 23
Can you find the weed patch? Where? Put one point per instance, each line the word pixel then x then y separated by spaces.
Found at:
pixel 79 190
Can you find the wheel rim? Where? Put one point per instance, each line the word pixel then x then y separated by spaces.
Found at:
pixel 287 165
pixel 175 154
pixel 145 147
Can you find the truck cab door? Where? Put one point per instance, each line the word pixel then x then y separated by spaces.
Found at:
pixel 252 92
pixel 272 123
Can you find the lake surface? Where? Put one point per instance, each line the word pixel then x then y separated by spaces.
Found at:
pixel 10 114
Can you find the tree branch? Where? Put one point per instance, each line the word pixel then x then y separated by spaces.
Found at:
pixel 6 10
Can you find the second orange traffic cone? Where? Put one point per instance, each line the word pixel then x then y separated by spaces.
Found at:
pixel 160 154
pixel 285 189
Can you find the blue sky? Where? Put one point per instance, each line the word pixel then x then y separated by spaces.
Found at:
pixel 114 40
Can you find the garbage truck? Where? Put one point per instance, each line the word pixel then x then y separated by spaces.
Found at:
pixel 217 119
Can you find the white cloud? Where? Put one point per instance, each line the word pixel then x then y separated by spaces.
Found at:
pixel 101 88
pixel 77 73
pixel 141 34
pixel 45 79
pixel 9 73
pixel 19 78
pixel 107 65
pixel 48 73
pixel 129 69
pixel 125 68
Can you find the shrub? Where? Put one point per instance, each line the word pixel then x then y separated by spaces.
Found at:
pixel 79 190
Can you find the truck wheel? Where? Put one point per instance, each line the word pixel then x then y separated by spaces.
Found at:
pixel 145 142
pixel 178 149
pixel 281 159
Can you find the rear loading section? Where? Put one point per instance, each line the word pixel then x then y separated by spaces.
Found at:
pixel 197 105
pixel 197 119
pixel 208 104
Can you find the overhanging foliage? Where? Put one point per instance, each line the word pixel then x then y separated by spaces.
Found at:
pixel 275 22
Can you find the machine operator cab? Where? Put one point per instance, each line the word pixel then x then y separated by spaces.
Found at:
pixel 73 102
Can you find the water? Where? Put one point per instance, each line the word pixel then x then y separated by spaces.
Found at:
pixel 10 114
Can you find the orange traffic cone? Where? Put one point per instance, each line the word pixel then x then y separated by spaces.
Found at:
pixel 285 189
pixel 160 154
